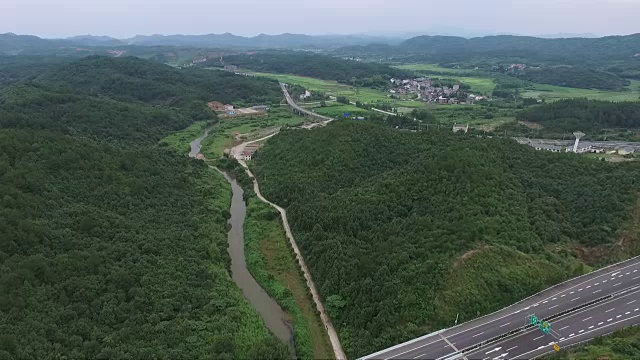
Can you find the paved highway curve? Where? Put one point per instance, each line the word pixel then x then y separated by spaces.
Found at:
pixel 607 299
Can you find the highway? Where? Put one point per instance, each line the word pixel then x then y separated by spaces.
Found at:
pixel 578 310
pixel 324 119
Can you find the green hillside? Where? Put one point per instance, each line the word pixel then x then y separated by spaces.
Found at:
pixel 111 246
pixel 402 230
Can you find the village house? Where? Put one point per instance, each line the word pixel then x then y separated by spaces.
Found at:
pixel 228 107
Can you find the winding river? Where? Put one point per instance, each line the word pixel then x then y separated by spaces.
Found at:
pixel 274 317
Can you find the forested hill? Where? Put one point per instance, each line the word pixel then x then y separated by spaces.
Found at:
pixel 584 115
pixel 131 78
pixel 317 66
pixel 402 230
pixel 537 49
pixel 112 247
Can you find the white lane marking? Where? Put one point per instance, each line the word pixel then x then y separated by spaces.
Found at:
pixel 620 276
pixel 478 334
pixel 561 339
pixel 494 350
pixel 539 337
pixel 615 273
pixel 571 292
pixel 618 316
pixel 631 302
pixel 580 332
pixel 580 289
pixel 554 298
pixel 540 347
pixel 534 305
pixel 627 313
pixel 617 284
pixel 563 328
pixel 604 281
pixel 600 323
pixel 596 284
pixel 571 335
pixel 587 318
pixel 588 287
pixel 609 319
pixel 635 270
pixel 544 302
pixel 635 278
pixel 504 324
pixel 524 356
pixel 636 309
pixel 563 295
pixel 609 310
pixel 511 348
pixel 627 273
pixel 591 327
pixel 597 291
pixel 575 298
pixel 416 348
pixel 553 307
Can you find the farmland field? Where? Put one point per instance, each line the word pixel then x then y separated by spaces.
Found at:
pixel 551 92
pixel 222 135
pixel 433 67
pixel 330 87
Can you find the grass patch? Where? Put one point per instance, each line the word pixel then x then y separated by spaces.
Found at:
pixel 223 135
pixel 337 111
pixel 551 92
pixel 432 67
pixel 273 264
pixel 331 87
pixel 180 141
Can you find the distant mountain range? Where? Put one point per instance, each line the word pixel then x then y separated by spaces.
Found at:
pixel 13 44
pixel 452 48
pixel 612 46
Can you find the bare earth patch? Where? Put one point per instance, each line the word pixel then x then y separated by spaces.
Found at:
pixel 530 125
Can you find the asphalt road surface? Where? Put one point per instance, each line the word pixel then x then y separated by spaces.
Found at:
pixel 293 104
pixel 612 291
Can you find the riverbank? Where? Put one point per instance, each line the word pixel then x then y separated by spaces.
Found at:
pixel 272 263
pixel 326 321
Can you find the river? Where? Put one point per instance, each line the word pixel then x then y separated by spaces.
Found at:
pixel 274 317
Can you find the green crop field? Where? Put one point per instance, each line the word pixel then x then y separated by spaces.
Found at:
pixel 432 67
pixel 551 92
pixel 338 110
pixel 222 135
pixel 330 87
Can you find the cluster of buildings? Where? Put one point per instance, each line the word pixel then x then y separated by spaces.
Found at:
pixel 426 90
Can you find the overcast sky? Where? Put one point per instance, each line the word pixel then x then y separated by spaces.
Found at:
pixel 125 18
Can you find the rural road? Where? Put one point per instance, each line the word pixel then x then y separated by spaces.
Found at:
pixel 578 310
pixel 333 335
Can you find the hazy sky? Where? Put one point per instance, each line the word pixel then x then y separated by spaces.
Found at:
pixel 124 18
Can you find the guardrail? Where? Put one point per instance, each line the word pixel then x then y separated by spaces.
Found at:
pixel 548 318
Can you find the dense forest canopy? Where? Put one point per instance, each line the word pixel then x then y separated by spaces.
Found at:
pixel 317 66
pixel 131 78
pixel 402 230
pixel 111 246
pixel 584 115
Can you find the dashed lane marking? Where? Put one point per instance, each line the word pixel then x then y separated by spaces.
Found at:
pixel 590 317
